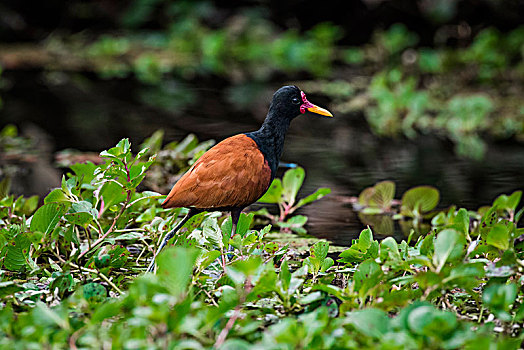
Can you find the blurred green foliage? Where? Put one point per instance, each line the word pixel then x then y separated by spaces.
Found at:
pixel 465 85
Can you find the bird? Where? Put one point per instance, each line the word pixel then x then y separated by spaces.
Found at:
pixel 237 171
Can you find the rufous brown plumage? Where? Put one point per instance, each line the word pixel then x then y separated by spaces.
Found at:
pixel 232 174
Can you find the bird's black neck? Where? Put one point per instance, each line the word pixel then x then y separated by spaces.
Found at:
pixel 270 138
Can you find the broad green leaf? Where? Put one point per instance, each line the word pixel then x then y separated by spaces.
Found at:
pixel 370 322
pixel 499 297
pixel 284 275
pixel 5 186
pixel 94 292
pixel 466 276
pixel 366 277
pixel 320 250
pixel 365 196
pixel 247 267
pixel 313 264
pixel 244 223
pixel 112 194
pixel 449 245
pixel 81 213
pixel 311 298
pixel 383 194
pixel 390 247
pixel 50 318
pixel 273 194
pixel 499 236
pixel 47 217
pixel 84 171
pixel 514 200
pixel 30 205
pixel 427 245
pixel 175 267
pixel 271 247
pixel 56 195
pixel 207 258
pixel 326 264
pixel 9 288
pixel 419 200
pixel 291 183
pixel 461 221
pixel 212 232
pixel 365 239
pixel 429 321
pixel 106 310
pixel 508 203
pixel 321 192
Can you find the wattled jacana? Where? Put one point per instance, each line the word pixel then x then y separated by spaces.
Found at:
pixel 238 171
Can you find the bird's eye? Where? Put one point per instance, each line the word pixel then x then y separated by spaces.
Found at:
pixel 295 100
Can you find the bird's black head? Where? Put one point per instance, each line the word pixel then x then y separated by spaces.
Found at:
pixel 289 102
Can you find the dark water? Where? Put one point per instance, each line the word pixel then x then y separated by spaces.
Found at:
pixel 82 112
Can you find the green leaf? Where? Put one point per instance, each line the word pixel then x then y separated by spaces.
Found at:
pixel 311 298
pixel 514 200
pixel 508 203
pixel 84 171
pixel 5 186
pixel 365 239
pixel 370 322
pixel 449 245
pixel 29 205
pixel 112 194
pixel 461 221
pixel 208 258
pixel 390 246
pixel 466 276
pixel 419 200
pixel 427 245
pixel 383 194
pixel 291 182
pixel 499 236
pixel 47 217
pixel 9 288
pixel 273 194
pixel 320 250
pixel 62 283
pixel 81 213
pixel 326 264
pixel 499 297
pixel 284 275
pixel 318 194
pixel 367 277
pixel 244 223
pixel 106 310
pixel 428 321
pixel 212 232
pixel 94 292
pixel 175 267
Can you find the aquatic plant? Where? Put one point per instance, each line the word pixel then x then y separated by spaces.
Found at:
pixel 72 273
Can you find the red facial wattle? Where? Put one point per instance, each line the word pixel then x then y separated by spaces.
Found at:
pixel 308 106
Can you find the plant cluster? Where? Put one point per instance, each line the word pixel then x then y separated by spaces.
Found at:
pixel 418 90
pixel 72 274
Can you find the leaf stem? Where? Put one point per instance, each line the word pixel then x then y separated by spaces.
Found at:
pixel 111 229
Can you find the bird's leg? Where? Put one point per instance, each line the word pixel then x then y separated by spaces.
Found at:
pixel 170 234
pixel 235 216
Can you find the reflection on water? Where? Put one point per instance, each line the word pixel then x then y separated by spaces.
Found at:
pixel 340 153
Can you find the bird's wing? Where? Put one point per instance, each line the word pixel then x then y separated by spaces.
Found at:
pixel 233 173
